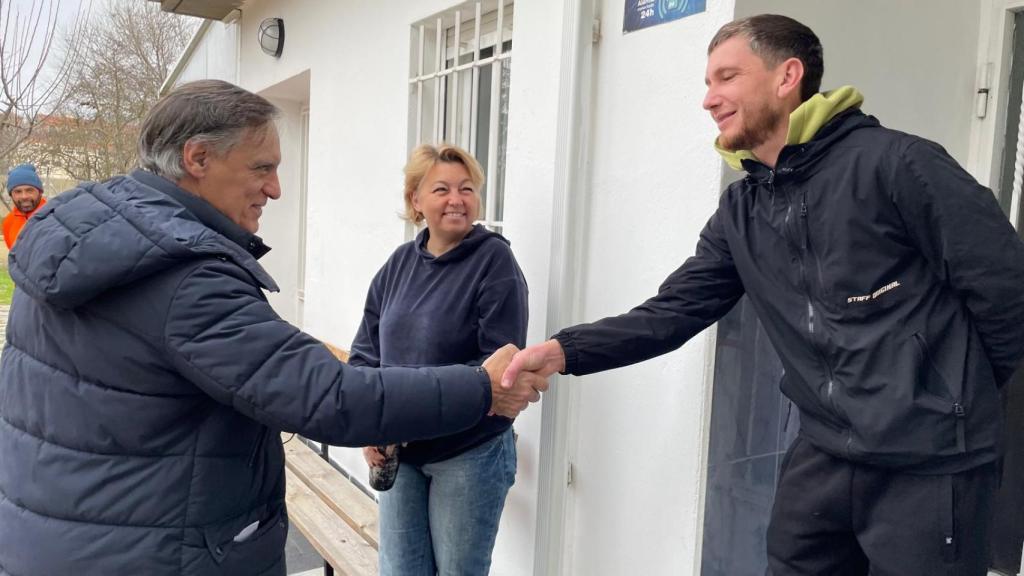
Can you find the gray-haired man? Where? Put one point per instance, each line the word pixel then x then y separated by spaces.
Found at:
pixel 145 378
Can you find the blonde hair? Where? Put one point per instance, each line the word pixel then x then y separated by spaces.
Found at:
pixel 423 159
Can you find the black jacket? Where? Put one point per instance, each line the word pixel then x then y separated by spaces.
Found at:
pixel 889 281
pixel 144 384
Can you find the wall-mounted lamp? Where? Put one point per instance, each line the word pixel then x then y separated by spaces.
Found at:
pixel 272 36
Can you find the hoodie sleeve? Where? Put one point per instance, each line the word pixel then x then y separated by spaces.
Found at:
pixel 692 298
pixel 366 345
pixel 11 229
pixel 221 334
pixel 502 304
pixel 968 242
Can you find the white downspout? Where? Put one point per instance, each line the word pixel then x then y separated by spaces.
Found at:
pixel 557 418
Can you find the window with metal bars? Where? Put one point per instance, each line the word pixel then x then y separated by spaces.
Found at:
pixel 459 86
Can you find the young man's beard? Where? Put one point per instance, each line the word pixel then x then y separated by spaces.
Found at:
pixel 759 124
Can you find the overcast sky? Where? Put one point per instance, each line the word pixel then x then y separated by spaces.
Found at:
pixel 24 11
pixel 66 11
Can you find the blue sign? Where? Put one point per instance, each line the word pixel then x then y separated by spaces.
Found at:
pixel 642 14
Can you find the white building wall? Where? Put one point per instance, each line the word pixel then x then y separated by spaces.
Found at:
pixel 215 55
pixel 357 61
pixel 655 180
pixel 357 58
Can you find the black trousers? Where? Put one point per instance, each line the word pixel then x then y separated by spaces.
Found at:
pixel 833 517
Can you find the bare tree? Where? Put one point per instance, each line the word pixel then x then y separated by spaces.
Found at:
pixel 127 50
pixel 32 83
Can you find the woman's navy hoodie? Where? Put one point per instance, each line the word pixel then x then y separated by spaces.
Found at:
pixel 456 308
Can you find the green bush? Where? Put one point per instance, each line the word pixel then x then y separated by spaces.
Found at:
pixel 6 286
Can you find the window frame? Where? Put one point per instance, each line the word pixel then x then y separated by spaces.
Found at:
pixel 448 96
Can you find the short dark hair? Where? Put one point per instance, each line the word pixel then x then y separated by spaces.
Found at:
pixel 775 38
pixel 213 111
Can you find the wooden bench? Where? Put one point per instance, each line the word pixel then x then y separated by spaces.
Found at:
pixel 337 518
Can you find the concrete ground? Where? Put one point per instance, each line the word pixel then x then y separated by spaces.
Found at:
pixel 302 558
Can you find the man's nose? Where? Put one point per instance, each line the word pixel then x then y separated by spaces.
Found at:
pixel 710 99
pixel 272 188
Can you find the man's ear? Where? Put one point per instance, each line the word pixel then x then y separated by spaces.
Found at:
pixel 194 158
pixel 790 78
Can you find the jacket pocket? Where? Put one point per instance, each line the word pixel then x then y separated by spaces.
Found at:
pixel 930 382
pixel 903 409
pixel 810 403
pixel 255 553
pixel 936 393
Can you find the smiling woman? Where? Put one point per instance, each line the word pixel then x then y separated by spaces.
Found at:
pixel 450 296
pixel 449 202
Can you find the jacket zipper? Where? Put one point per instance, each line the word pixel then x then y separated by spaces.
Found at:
pixel 800 249
pixel 809 250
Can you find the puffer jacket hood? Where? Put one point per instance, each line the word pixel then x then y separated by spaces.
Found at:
pixel 105 235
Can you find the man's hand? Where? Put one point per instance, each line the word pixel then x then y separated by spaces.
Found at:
pixel 510 400
pixel 541 359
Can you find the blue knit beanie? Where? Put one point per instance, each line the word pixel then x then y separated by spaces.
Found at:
pixel 21 175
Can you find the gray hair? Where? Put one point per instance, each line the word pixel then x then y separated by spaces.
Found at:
pixel 213 112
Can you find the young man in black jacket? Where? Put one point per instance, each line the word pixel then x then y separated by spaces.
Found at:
pixel 890 284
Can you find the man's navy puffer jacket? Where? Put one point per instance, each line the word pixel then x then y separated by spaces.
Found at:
pixel 143 387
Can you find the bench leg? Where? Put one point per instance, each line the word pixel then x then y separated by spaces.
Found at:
pixel 325 454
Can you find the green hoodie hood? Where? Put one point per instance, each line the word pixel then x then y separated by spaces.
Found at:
pixel 805 121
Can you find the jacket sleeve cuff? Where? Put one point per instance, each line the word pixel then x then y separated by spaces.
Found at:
pixel 485 380
pixel 568 343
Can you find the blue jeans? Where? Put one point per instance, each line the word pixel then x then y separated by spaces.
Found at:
pixel 442 518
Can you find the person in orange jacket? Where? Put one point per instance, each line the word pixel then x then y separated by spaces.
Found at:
pixel 26 190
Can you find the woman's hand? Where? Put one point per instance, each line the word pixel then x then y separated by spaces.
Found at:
pixel 373 456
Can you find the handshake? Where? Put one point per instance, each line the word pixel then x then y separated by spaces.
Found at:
pixel 519 376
